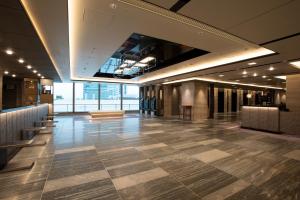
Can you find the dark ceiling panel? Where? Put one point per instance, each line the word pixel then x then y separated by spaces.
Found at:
pixel 17 33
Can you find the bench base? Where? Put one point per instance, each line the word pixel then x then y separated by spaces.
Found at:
pixel 101 114
pixel 17 166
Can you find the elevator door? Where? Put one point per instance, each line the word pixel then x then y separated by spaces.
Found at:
pixel 234 101
pixel 220 101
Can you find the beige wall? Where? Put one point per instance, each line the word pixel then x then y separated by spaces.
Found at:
pixel 167 100
pixel 216 100
pixel 187 93
pixel 293 92
pixel 200 108
pixel 1 87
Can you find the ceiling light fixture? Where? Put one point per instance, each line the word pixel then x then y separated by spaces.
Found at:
pixel 147 59
pixel 255 74
pixel 28 66
pixel 296 64
pixel 123 65
pixel 281 77
pixel 237 80
pixel 271 68
pixel 139 65
pixel 244 72
pixel 119 71
pixel 252 63
pixel 6 72
pixel 34 71
pixel 21 60
pixel 42 77
pixel 13 75
pixel 9 51
pixel 39 74
pixel 129 61
pixel 221 75
pixel 264 76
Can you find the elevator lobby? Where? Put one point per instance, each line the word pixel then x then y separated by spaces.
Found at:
pixel 149 99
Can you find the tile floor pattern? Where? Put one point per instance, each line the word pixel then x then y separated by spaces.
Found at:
pixel 152 158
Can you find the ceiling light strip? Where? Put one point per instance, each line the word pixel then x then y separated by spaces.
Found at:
pixel 41 36
pixel 223 82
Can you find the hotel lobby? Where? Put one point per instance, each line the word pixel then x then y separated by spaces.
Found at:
pixel 149 99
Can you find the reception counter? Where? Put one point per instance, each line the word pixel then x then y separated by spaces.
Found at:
pixel 261 118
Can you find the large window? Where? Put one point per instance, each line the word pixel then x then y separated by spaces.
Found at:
pixel 86 96
pixel 110 97
pixel 63 97
pixel 130 99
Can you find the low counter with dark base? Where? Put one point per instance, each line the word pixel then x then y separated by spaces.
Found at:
pixel 261 118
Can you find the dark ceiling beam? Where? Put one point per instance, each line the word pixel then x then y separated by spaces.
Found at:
pixel 178 5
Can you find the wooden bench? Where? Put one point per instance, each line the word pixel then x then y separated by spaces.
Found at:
pixel 101 114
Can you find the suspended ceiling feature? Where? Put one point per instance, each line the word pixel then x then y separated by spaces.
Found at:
pixel 18 34
pixel 98 28
pixel 141 54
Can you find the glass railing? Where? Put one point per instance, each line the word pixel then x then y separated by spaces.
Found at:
pixel 91 107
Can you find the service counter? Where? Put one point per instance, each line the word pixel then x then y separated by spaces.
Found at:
pixel 261 118
pixel 270 119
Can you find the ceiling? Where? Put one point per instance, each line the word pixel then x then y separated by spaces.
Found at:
pixel 18 34
pixel 224 28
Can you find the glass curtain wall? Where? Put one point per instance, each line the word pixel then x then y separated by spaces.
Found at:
pixel 86 97
pixel 130 98
pixel 110 96
pixel 63 97
pixel 90 96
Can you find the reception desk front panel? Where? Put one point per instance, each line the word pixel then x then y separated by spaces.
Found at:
pixel 261 118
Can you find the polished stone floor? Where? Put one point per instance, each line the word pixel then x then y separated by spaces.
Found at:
pixel 151 158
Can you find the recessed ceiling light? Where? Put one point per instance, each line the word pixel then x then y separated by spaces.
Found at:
pixel 221 75
pixel 13 75
pixel 271 68
pixel 269 79
pixel 237 80
pixel 245 76
pixel 252 63
pixel 21 60
pixel 296 64
pixel 254 74
pixel 42 77
pixel 244 72
pixel 9 51
pixel 6 72
pixel 34 71
pixel 113 6
pixel 39 74
pixel 264 76
pixel 28 66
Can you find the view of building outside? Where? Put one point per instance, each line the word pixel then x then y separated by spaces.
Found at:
pixel 110 96
pixel 63 97
pixel 87 97
pixel 130 97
